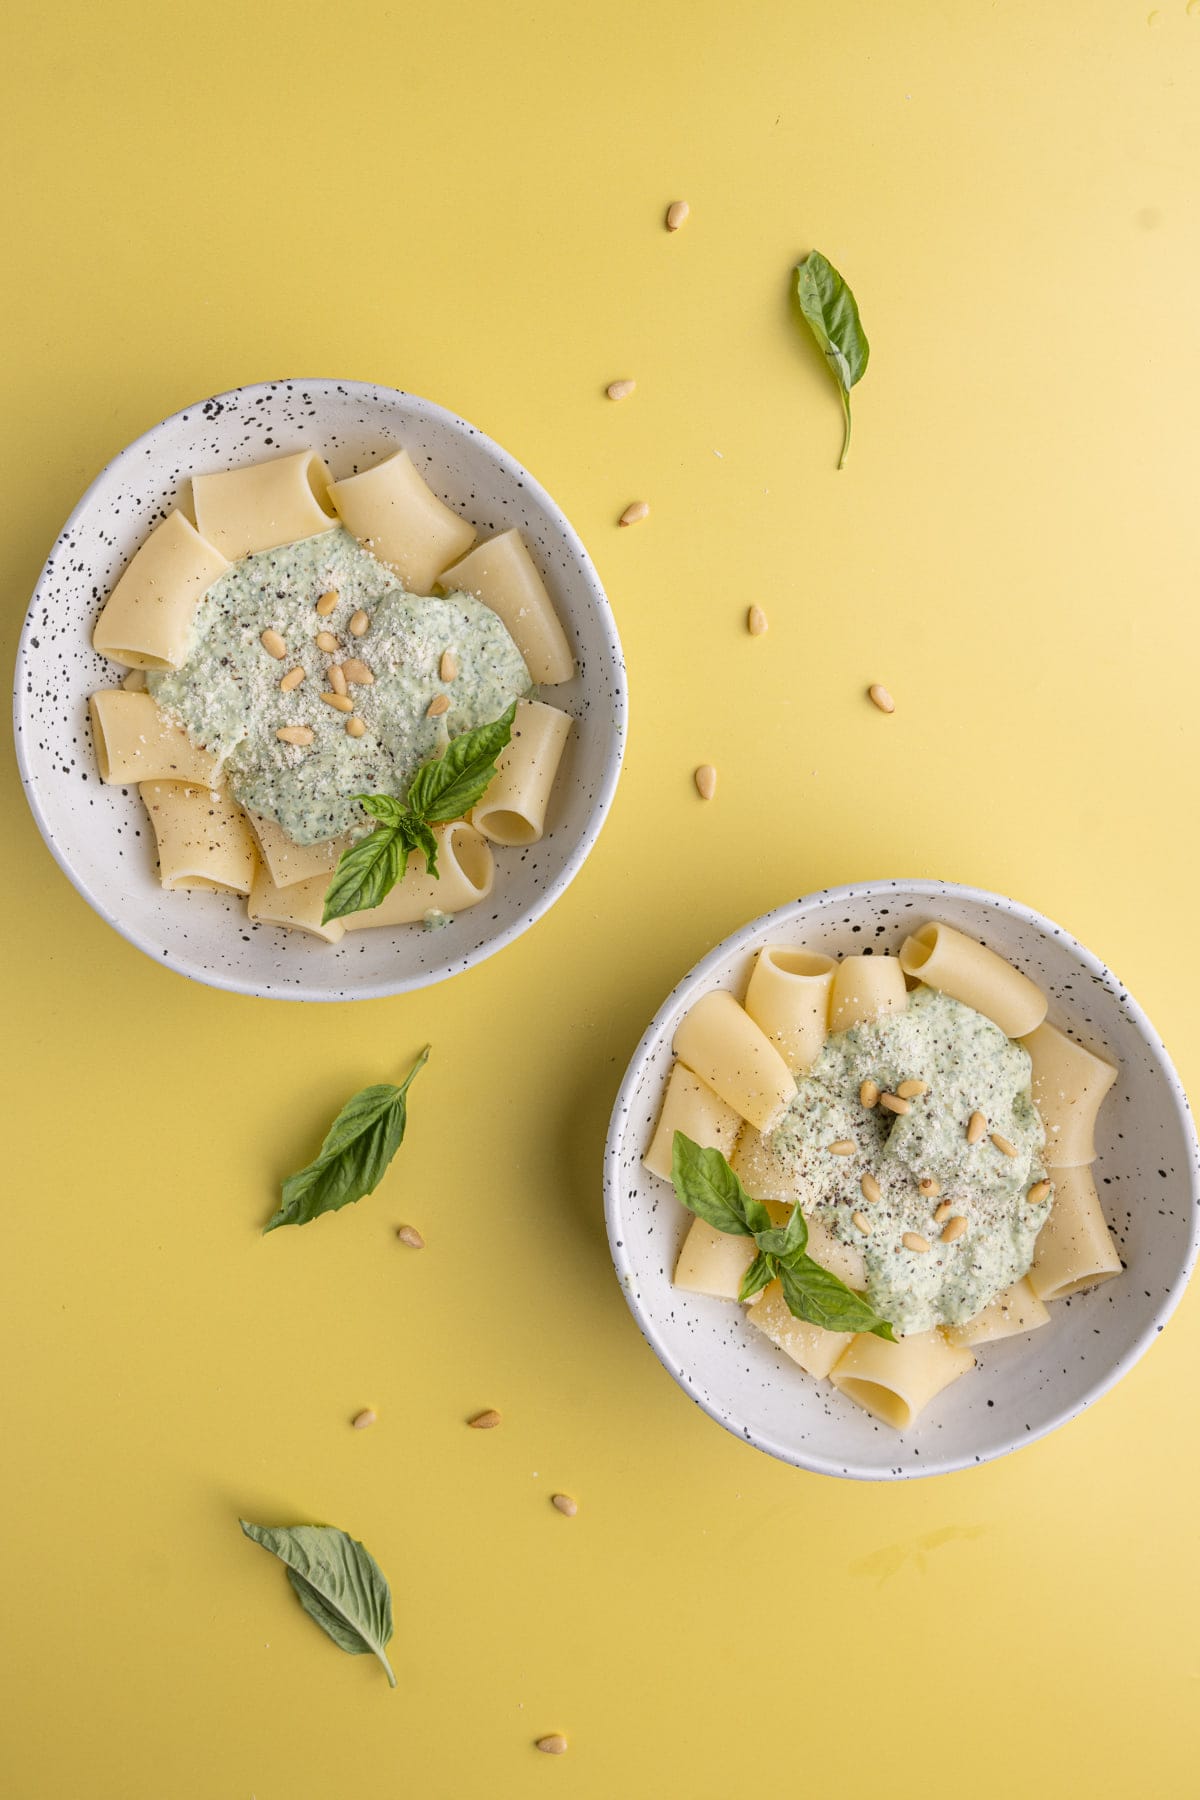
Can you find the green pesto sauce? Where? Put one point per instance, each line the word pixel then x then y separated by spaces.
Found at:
pixel 227 694
pixel 969 1065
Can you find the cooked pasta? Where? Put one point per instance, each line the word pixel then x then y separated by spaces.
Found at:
pixel 897 1381
pixel 970 972
pixel 400 519
pixel 788 998
pixel 864 987
pixel 713 1262
pixel 134 743
pixel 690 1106
pixel 1074 1247
pixel 288 862
pixel 296 908
pixel 241 511
pixel 1015 1311
pixel 502 574
pixel 1069 1084
pixel 147 620
pixel 513 811
pixel 204 840
pixel 720 1041
pixel 815 1349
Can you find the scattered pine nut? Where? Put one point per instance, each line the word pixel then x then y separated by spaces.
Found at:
pixel 554 1745
pixel 635 512
pixel 955 1229
pixel 976 1128
pixel 294 734
pixel 358 623
pixel 842 1147
pixel 292 679
pixel 437 706
pixel 942 1213
pixel 337 678
pixel 273 644
pixel 620 390
pixel 893 1103
pixel 883 700
pixel 871 1189
pixel 706 781
pixel 357 673
pixel 868 1094
pixel 328 603
pixel 1003 1145
pixel 408 1234
pixel 677 214
pixel 930 1187
pixel 756 622
pixel 485 1421
pixel 565 1504
pixel 339 702
pixel 1038 1192
pixel 448 667
pixel 363 1419
pixel 912 1240
pixel 356 727
pixel 908 1090
pixel 862 1222
pixel 326 642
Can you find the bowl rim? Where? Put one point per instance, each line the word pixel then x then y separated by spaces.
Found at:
pixel 713 963
pixel 375 393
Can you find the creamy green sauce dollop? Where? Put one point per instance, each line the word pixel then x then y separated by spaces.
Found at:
pixel 969 1065
pixel 227 694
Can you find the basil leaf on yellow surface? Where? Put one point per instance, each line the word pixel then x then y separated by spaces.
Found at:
pixel 831 314
pixel 354 1158
pixel 337 1582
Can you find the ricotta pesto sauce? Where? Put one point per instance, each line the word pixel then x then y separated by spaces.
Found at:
pixel 227 695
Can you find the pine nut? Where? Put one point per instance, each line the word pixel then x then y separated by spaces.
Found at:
pixel 912 1240
pixel 485 1421
pixel 882 698
pixel 437 706
pixel 554 1745
pixel 448 667
pixel 1003 1145
pixel 893 1103
pixel 871 1189
pixel 1038 1192
pixel 328 603
pixel 292 679
pixel 294 734
pixel 273 644
pixel 634 513
pixel 942 1212
pixel 337 678
pixel 326 642
pixel 356 727
pixel 339 702
pixel 841 1147
pixel 620 390
pixel 358 623
pixel 756 622
pixel 363 1419
pixel 706 781
pixel 955 1229
pixel 408 1234
pixel 677 213
pixel 908 1090
pixel 976 1128
pixel 565 1504
pixel 357 672
pixel 929 1187
pixel 861 1221
pixel 868 1094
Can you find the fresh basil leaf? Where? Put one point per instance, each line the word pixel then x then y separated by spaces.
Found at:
pixel 831 314
pixel 450 786
pixel 384 807
pixel 757 1216
pixel 420 837
pixel 354 1158
pixel 760 1272
pixel 813 1293
pixel 707 1186
pixel 785 1240
pixel 338 1583
pixel 367 872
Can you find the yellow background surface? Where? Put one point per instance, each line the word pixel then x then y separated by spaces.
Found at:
pixel 467 202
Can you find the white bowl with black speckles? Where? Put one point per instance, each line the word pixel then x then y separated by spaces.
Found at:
pixel 1148 1177
pixel 98 834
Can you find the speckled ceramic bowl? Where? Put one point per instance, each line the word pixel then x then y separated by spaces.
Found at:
pixel 1148 1177
pixel 98 834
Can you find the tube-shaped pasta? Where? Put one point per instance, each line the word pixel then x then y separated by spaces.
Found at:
pixel 466 870
pixel 864 988
pixel 842 1260
pixel 287 862
pixel 135 743
pixel 788 998
pixel 134 682
pixel 814 1348
pixel 203 838
pixel 401 520
pixel 943 958
pixel 502 574
pixel 761 1171
pixel 720 1041
pixel 896 1381
pixel 296 908
pixel 147 620
pixel 1015 1311
pixel 513 810
pixel 691 1107
pixel 713 1262
pixel 1074 1248
pixel 241 511
pixel 1069 1083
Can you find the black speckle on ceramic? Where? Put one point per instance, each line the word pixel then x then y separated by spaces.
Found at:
pixel 1148 1177
pixel 95 832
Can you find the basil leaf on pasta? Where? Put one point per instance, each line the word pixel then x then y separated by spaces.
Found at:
pixel 354 1158
pixel 760 1272
pixel 785 1240
pixel 449 787
pixel 708 1187
pixel 814 1294
pixel 830 311
pixel 366 872
pixel 337 1582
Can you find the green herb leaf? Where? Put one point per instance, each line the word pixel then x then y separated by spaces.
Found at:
pixel 421 838
pixel 760 1272
pixel 813 1293
pixel 354 1158
pixel 786 1240
pixel 831 313
pixel 384 807
pixel 450 786
pixel 338 1583
pixel 367 871
pixel 707 1186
